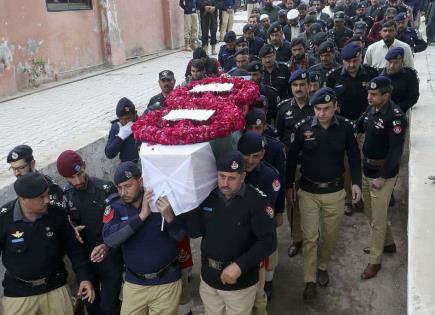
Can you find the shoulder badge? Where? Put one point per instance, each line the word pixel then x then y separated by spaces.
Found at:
pixel 109 213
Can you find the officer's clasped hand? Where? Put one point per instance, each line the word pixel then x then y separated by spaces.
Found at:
pixel 125 131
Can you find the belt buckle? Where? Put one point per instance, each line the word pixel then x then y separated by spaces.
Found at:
pixel 39 282
pixel 322 185
pixel 150 276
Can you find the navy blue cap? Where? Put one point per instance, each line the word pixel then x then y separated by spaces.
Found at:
pixel 168 74
pixel 274 28
pixel 240 73
pixel 250 142
pixel 395 53
pixel 322 96
pixel 360 25
pixel 20 152
pixel 357 38
pixel 230 37
pixel 361 5
pixel 326 46
pixel 299 74
pixel 400 17
pixel 390 11
pixel 255 117
pixel 314 76
pixel 231 161
pixel 339 16
pixel 315 28
pixel 248 28
pixel 124 107
pixel 265 50
pixel 254 66
pixel 241 39
pixel 30 185
pixel 261 104
pixel 125 171
pixel 350 51
pixel 319 38
pixel 199 53
pixel 378 83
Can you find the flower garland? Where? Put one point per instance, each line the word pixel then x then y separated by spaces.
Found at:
pixel 230 110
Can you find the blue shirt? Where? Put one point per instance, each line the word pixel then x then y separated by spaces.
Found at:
pixel 127 149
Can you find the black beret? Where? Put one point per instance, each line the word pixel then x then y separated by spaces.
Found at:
pixel 315 28
pixel 390 11
pixel 31 185
pixel 254 66
pixel 319 38
pixel 125 171
pixel 314 76
pixel 20 152
pixel 326 46
pixel 255 117
pixel 350 51
pixel 395 53
pixel 378 83
pixel 322 96
pixel 250 142
pixel 360 25
pixel 361 5
pixel 248 28
pixel 400 17
pixel 230 37
pixel 274 28
pixel 299 74
pixel 339 16
pixel 125 106
pixel 231 161
pixel 265 50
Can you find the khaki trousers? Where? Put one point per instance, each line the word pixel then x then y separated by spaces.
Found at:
pixel 185 287
pixel 250 7
pixel 376 204
pixel 294 214
pixel 150 299
pixel 314 207
pixel 347 177
pixel 226 23
pixel 218 302
pixel 190 27
pixel 54 302
pixel 260 302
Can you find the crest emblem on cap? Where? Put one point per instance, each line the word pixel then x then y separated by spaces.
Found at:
pixel 328 48
pixel 77 168
pixel 258 121
pixel 327 98
pixel 303 75
pixel 373 85
pixel 128 174
pixel 234 165
pixel 126 108
pixel 14 155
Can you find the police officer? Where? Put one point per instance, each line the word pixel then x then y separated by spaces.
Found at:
pixel 254 42
pixel 323 140
pixel 21 162
pixel 404 80
pixel 327 60
pixel 238 233
pixel 290 112
pixel 361 15
pixel 34 237
pixel 84 199
pixel 384 125
pixel 242 60
pixel 152 278
pixel 314 83
pixel 256 70
pixel 282 46
pixel 340 33
pixel 409 35
pixel 167 84
pixel 349 83
pixel 275 73
pixel 228 49
pixel 121 141
pixel 255 120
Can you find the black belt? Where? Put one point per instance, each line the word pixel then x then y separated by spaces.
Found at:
pixel 215 264
pixel 335 183
pixel 373 162
pixel 159 274
pixel 32 283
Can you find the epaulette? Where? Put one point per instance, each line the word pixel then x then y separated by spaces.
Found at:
pixel 332 70
pixel 282 102
pixel 300 123
pixel 103 184
pixel 7 207
pixel 114 121
pixel 112 197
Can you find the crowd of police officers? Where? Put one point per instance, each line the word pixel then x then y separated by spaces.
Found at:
pixel 325 138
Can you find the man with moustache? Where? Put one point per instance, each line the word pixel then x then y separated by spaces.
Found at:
pixel 167 84
pixel 84 199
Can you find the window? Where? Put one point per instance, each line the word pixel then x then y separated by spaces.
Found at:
pixel 67 5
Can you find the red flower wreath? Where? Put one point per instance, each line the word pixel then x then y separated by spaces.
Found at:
pixel 230 109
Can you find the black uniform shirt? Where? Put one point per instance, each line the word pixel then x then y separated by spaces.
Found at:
pixel 35 250
pixel 278 78
pixel 159 98
pixel 351 92
pixel 323 151
pixel 273 99
pixel 284 51
pixel 55 193
pixel 385 131
pixel 340 38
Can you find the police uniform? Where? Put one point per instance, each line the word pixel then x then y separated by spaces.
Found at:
pixel 278 77
pixel 321 192
pixel 365 18
pixel 405 82
pixel 152 278
pixel 254 44
pixel 236 230
pixel 283 51
pixel 325 47
pixel 224 52
pixel 32 254
pixel 121 141
pixel 385 130
pixel 340 37
pixel 410 36
pixel 86 207
pixel 23 151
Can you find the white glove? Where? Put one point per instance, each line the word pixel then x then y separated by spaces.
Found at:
pixel 125 131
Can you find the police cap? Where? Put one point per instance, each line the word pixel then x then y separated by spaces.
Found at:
pixel 274 28
pixel 22 151
pixel 299 74
pixel 231 161
pixel 255 117
pixel 379 82
pixel 69 163
pixel 361 5
pixel 322 96
pixel 240 40
pixel 339 16
pixel 250 142
pixel 230 37
pixel 310 19
pixel 350 51
pixel 248 28
pixel 395 53
pixel 391 11
pixel 125 171
pixel 124 106
pixel 167 74
pixel 254 66
pixel 265 50
pixel 326 47
pixel 400 17
pixel 360 25
pixel 319 38
pixel 30 185
pixel 357 38
pixel 314 76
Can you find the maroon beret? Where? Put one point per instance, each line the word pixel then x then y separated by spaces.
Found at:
pixel 69 163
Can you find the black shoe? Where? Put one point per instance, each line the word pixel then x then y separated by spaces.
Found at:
pixel 390 249
pixel 310 292
pixel 294 248
pixel 322 278
pixel 268 289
